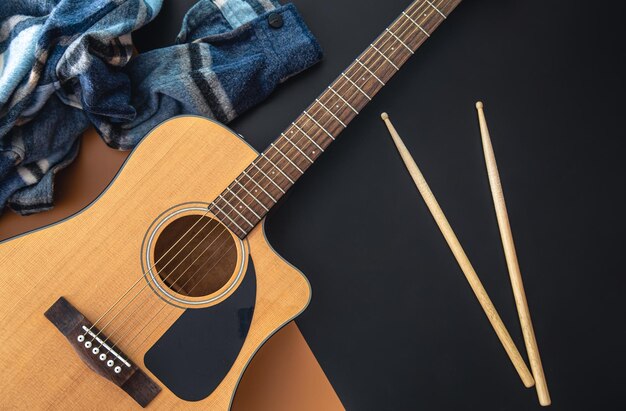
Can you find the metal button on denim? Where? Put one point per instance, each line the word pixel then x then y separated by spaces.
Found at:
pixel 275 20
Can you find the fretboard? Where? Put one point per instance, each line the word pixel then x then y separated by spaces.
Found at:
pixel 252 194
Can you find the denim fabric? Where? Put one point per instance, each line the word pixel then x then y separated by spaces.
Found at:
pixel 66 64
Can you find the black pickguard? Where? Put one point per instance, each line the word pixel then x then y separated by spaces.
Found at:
pixel 198 350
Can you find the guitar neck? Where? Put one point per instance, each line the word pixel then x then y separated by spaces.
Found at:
pixel 251 195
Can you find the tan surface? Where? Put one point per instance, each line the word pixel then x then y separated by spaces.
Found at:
pixel 281 391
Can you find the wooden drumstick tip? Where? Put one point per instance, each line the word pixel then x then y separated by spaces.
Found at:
pixel 479 105
pixel 384 116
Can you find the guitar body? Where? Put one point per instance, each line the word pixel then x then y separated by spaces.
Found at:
pixel 204 337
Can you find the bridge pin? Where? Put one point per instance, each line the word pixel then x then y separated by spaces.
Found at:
pixel 88 344
pixel 117 369
pixel 80 338
pixel 95 350
pixel 110 363
pixel 103 357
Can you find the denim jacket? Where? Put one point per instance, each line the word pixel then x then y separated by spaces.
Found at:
pixel 66 64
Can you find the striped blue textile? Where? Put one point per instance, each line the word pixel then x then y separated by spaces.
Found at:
pixel 66 65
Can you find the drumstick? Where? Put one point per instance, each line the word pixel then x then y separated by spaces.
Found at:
pixel 461 257
pixel 511 261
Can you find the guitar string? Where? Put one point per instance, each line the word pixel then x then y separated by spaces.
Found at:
pixel 144 273
pixel 206 273
pixel 168 315
pixel 190 277
pixel 164 279
pixel 319 109
pixel 148 270
pixel 140 277
pixel 423 4
pixel 115 329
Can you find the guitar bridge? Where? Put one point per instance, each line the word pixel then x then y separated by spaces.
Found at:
pixel 91 347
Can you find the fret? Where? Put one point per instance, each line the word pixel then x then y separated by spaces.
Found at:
pixel 370 71
pixel 307 136
pixel 287 158
pixel 331 113
pixel 328 115
pixel 401 42
pixel 318 124
pixel 242 202
pixel 251 195
pixel 297 148
pixel 371 68
pixel 436 9
pixel 403 36
pixel 343 99
pixel 356 85
pixel 416 23
pixel 393 47
pixel 363 78
pixel 228 216
pixel 385 57
pixel 237 211
pixel 336 106
pixel 258 185
pixel 432 13
pixel 263 156
pixel 443 10
pixel 366 83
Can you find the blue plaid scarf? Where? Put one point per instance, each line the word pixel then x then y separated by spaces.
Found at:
pixel 66 64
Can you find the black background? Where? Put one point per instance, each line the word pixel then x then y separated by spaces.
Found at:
pixel 393 322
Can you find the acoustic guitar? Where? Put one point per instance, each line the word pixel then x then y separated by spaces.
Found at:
pixel 161 291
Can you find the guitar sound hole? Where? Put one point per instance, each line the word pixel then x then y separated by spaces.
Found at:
pixel 195 255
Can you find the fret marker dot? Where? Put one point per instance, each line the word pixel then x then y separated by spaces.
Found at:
pixel 256 191
pixel 240 206
pixel 393 48
pixel 337 106
pixel 313 152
